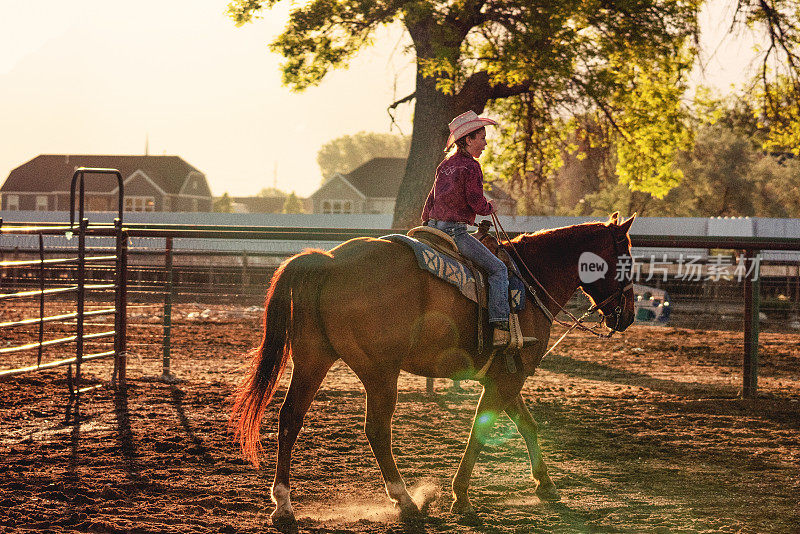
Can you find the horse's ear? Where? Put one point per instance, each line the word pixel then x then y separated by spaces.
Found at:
pixel 613 218
pixel 626 225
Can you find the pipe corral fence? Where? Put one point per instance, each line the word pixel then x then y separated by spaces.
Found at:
pixel 149 264
pixel 75 285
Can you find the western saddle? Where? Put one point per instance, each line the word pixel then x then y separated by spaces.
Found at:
pixel 444 243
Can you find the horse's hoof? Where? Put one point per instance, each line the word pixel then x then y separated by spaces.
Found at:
pixel 410 512
pixel 285 523
pixel 426 507
pixel 468 517
pixel 461 506
pixel 548 493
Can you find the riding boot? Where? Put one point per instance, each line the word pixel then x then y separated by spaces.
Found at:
pixel 501 336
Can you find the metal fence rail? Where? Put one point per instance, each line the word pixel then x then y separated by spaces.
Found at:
pixel 55 363
pixel 80 289
pixel 750 247
pixel 163 271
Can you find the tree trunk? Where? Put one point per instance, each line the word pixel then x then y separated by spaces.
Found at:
pixel 433 110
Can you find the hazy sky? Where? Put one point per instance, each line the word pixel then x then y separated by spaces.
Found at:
pixel 101 77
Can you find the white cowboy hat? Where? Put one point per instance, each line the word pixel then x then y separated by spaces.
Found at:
pixel 466 123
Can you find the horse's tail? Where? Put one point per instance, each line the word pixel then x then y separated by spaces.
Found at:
pixel 295 283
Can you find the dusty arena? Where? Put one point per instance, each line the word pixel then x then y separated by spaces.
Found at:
pixel 643 433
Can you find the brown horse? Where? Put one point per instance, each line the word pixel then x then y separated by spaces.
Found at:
pixel 368 303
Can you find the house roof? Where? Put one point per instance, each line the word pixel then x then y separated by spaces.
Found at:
pixel 53 172
pixel 379 177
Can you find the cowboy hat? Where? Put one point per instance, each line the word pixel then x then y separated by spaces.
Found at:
pixel 466 123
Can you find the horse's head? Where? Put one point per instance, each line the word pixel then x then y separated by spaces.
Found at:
pixel 609 283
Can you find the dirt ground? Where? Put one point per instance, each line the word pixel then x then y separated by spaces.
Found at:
pixel 642 433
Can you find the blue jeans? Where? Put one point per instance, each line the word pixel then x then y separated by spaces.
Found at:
pixel 475 251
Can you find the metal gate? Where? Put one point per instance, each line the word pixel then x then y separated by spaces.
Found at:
pixel 71 280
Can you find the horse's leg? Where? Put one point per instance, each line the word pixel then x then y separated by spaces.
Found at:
pixel 489 407
pixel 381 402
pixel 310 368
pixel 526 424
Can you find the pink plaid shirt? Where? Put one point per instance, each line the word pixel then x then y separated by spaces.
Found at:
pixel 457 192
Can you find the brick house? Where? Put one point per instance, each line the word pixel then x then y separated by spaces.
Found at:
pixel 151 183
pixel 373 187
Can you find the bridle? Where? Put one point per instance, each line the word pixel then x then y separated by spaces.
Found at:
pixel 618 295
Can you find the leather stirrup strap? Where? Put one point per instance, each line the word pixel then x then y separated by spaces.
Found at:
pixel 516 332
pixel 482 371
pixel 480 293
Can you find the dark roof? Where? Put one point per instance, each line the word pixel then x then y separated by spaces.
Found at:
pixel 381 177
pixel 47 173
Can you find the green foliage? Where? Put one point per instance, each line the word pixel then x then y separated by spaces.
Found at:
pixel 527 150
pixel 717 174
pixel 345 153
pixel 724 175
pixel 320 34
pixel 628 73
pixel 778 187
pixel 293 204
pixel 776 90
pixel 244 11
pixel 443 70
pixel 779 113
pixel 542 67
pixel 223 204
pixel 652 126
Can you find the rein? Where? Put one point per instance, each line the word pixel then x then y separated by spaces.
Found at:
pixel 577 322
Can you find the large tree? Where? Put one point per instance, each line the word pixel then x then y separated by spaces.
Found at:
pixel 540 62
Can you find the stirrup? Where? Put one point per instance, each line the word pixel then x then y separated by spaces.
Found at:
pixel 501 339
pixel 517 340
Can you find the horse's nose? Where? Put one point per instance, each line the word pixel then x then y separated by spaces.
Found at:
pixel 619 321
pixel 626 319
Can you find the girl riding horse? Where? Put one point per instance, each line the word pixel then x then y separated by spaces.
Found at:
pixel 343 304
pixel 453 202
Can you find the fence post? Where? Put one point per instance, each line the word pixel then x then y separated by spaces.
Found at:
pixel 166 374
pixel 121 308
pixel 245 271
pixel 41 299
pixel 84 223
pixel 796 287
pixel 752 297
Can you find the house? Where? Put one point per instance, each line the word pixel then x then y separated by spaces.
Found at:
pixel 373 187
pixel 151 183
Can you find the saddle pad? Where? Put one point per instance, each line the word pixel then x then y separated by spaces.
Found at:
pixel 456 273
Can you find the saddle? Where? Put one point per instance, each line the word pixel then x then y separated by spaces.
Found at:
pixel 438 239
pixel 444 243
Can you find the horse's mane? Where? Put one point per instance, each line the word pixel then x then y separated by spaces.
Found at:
pixel 543 250
pixel 548 239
